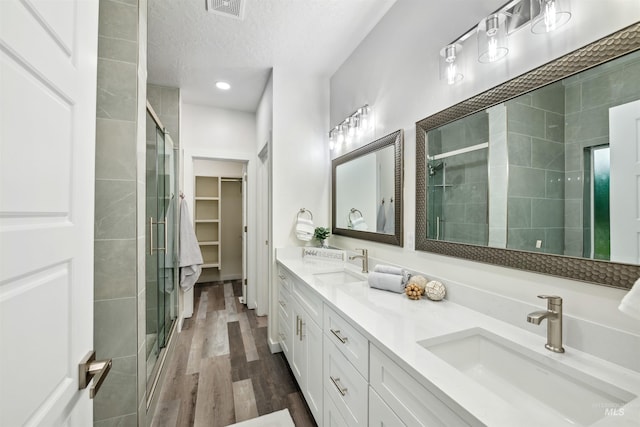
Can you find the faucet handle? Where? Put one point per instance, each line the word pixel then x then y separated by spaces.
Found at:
pixel 552 300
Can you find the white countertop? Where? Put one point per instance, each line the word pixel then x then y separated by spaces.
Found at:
pixel 395 324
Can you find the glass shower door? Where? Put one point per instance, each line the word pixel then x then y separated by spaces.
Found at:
pixel 161 205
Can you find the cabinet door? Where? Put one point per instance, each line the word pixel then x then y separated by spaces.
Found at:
pixel 298 359
pixel 312 337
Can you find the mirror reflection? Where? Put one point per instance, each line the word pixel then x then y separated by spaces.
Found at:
pixel 367 191
pixel 550 171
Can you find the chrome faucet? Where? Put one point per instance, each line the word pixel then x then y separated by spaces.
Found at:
pixel 553 314
pixel 365 259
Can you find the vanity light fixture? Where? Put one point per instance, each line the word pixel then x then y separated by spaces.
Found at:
pixel 450 69
pixel 492 38
pixel 355 123
pixel 223 85
pixel 548 15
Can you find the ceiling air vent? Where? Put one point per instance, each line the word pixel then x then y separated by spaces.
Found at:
pixel 228 8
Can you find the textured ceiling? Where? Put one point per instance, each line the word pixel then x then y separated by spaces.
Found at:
pixel 191 49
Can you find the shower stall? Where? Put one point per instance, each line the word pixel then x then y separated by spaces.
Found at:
pixel 457 181
pixel 161 248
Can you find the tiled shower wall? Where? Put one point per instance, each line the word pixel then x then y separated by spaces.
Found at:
pixel 535 133
pixel 461 202
pixel 588 99
pixel 117 244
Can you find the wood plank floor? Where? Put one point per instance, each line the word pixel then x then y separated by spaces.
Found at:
pixel 222 370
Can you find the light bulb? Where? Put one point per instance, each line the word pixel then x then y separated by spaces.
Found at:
pixel 451 73
pixel 550 15
pixel 493 49
pixel 340 137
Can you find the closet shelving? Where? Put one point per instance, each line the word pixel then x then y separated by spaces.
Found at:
pixel 207 219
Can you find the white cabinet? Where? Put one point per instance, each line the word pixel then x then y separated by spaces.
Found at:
pixel 351 343
pixel 303 344
pixel 413 403
pixel 380 415
pixel 331 414
pixel 285 314
pixel 344 385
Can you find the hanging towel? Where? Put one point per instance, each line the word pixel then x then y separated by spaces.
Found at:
pixel 398 271
pixel 304 229
pixel 190 255
pixel 630 303
pixel 169 243
pixel 390 223
pixel 359 224
pixel 380 220
pixel 386 282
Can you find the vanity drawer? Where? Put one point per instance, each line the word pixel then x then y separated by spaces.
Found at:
pixel 332 416
pixel 346 388
pixel 284 303
pixel 402 393
pixel 351 343
pixel 380 415
pixel 309 300
pixel 285 278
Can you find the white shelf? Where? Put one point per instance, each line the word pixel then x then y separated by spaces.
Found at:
pixel 207 218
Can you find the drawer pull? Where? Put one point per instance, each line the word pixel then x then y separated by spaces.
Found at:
pixel 298 326
pixel 282 303
pixel 336 382
pixel 336 332
pixel 283 337
pixel 282 277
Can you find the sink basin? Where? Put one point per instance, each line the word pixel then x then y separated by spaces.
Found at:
pixel 340 277
pixel 525 378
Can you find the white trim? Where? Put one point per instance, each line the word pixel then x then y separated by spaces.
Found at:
pixel 460 151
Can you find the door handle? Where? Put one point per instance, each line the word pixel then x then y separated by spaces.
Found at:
pixel 90 368
pixel 151 224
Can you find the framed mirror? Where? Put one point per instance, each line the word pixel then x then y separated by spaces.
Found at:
pixel 541 172
pixel 367 191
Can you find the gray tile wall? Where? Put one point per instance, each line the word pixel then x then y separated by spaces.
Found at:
pixel 166 103
pixel 116 242
pixel 588 98
pixel 535 203
pixel 462 202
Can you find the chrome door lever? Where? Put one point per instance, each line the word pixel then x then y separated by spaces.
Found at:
pixel 90 368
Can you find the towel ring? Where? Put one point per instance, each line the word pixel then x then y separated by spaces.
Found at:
pixel 354 211
pixel 303 211
pixel 350 217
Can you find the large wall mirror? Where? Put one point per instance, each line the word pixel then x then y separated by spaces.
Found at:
pixel 541 173
pixel 367 191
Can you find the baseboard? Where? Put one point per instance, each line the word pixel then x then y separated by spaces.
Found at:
pixel 230 277
pixel 274 346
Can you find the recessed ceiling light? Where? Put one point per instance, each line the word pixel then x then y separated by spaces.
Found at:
pixel 223 85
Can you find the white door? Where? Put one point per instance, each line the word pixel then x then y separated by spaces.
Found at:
pixel 244 233
pixel 259 291
pixel 624 140
pixel 48 58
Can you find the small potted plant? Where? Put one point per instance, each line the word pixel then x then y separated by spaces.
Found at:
pixel 321 234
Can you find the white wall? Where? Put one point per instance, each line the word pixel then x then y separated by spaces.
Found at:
pixel 300 160
pixel 395 70
pixel 214 133
pixel 301 166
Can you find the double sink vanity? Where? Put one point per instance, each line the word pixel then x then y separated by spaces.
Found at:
pixel 363 356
